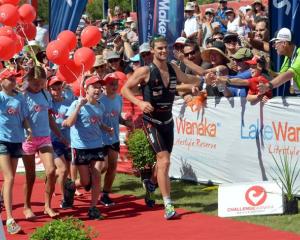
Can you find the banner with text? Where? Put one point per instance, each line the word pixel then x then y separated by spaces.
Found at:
pixel 230 140
pixel 164 17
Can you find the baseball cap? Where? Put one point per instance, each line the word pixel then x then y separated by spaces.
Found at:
pixel 229 10
pixel 180 41
pixel 91 80
pixel 229 36
pixel 6 73
pixel 145 47
pixel 135 58
pixel 284 34
pixel 53 80
pixel 189 6
pixel 110 77
pixel 209 10
pixel 256 60
pixel 242 53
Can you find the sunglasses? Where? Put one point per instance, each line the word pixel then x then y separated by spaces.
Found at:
pixel 208 13
pixel 114 60
pixel 190 53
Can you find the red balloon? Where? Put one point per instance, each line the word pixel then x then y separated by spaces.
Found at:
pixel 69 38
pixel 27 30
pixel 13 2
pixel 69 72
pixel 57 52
pixel 8 32
pixel 7 48
pixel 27 13
pixel 9 15
pixel 19 44
pixel 78 88
pixel 122 79
pixel 84 57
pixel 90 36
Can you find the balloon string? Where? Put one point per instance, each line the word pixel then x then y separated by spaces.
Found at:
pixel 31 49
pixel 81 82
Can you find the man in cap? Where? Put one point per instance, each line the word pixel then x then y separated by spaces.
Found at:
pixel 145 53
pixel 240 59
pixel 289 76
pixel 191 25
pixel 221 15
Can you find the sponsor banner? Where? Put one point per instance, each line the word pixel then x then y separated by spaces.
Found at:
pixel 160 17
pixel 244 199
pixel 231 140
pixel 64 15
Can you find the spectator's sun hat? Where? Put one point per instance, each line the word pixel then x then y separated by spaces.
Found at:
pixel 129 20
pixel 284 34
pixel 99 61
pixel 112 55
pixel 218 47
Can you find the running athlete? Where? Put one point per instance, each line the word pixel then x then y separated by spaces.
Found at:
pixel 158 82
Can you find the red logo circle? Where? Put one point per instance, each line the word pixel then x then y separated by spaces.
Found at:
pixel 256 195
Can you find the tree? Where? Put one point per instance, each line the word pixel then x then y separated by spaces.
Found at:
pixel 94 7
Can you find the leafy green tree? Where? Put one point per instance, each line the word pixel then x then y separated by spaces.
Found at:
pixel 95 11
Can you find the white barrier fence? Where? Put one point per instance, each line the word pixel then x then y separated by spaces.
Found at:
pixel 230 140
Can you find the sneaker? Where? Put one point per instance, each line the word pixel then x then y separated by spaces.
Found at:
pixel 170 212
pixel 69 192
pixel 13 227
pixel 94 213
pixel 106 200
pixel 149 185
pixel 65 205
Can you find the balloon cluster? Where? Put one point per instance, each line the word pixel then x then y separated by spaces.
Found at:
pixel 58 52
pixel 17 27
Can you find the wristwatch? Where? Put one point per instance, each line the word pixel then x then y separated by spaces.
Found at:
pixel 270 85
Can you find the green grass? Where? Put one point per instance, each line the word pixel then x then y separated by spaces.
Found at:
pixel 203 199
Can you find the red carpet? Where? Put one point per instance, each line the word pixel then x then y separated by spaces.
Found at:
pixel 131 219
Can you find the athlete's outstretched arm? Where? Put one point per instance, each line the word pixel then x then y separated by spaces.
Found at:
pixel 140 76
pixel 185 78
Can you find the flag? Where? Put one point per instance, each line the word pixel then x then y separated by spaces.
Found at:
pixel 283 13
pixel 64 15
pixel 164 17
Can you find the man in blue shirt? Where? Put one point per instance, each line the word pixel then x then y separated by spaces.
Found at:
pixel 221 15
